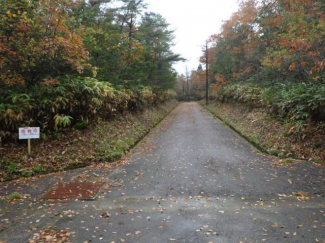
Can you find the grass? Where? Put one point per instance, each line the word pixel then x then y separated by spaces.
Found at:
pixel 14 196
pixel 12 168
pixel 317 161
pixel 105 141
pixel 11 197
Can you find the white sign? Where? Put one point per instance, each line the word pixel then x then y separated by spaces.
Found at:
pixel 29 132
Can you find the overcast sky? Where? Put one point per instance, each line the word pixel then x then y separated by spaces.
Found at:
pixel 193 21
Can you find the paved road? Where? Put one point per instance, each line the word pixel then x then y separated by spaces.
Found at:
pixel 191 180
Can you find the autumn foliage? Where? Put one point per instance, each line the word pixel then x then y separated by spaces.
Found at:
pixel 64 62
pixel 271 53
pixel 36 41
pixel 283 39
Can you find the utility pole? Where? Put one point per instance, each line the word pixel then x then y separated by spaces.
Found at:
pixel 207 74
pixel 188 86
pixel 183 85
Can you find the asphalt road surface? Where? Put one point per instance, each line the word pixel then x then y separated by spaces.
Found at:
pixel 191 180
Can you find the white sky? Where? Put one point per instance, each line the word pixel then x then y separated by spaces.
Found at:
pixel 193 21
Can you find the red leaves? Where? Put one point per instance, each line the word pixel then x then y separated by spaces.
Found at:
pixel 292 67
pixel 49 82
pixel 285 39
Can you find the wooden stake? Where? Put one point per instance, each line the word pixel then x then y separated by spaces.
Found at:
pixel 29 147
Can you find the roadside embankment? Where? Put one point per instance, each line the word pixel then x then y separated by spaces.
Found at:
pixel 286 140
pixel 103 141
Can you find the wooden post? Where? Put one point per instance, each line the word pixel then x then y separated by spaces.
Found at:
pixel 29 149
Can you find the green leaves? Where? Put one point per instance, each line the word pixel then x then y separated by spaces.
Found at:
pixel 294 101
pixel 43 40
pixel 62 121
pixel 72 101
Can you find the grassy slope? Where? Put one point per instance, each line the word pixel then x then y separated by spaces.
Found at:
pixel 284 140
pixel 105 141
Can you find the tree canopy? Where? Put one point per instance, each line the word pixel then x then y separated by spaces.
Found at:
pixel 272 40
pixel 42 40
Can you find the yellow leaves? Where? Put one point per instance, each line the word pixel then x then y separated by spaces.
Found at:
pixel 94 71
pixel 12 117
pixel 272 62
pixel 10 113
pixel 10 14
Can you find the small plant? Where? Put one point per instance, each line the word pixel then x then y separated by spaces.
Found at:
pixel 62 121
pixel 12 168
pixel 37 169
pixel 139 128
pixel 275 153
pixel 81 125
pixel 131 142
pixel 317 161
pixel 14 196
pixel 59 136
pixel 281 155
pixel 224 123
pixel 252 137
pixel 25 173
pixel 288 160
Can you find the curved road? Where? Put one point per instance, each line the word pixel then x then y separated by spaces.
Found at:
pixel 191 180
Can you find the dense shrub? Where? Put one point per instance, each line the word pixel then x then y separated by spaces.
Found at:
pixel 242 93
pixel 296 101
pixel 68 101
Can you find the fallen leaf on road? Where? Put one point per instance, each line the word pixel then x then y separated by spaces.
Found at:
pixel 302 196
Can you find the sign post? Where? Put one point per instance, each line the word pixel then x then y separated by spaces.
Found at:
pixel 29 133
pixel 29 147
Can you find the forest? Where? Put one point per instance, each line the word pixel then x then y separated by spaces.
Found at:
pixel 132 151
pixel 67 62
pixel 270 54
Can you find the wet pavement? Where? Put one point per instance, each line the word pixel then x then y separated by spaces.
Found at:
pixel 191 180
